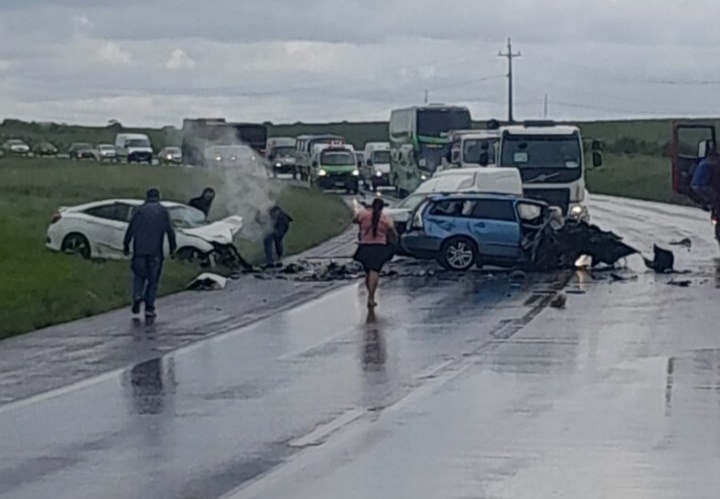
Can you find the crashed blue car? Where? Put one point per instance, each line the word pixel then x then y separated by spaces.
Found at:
pixel 505 230
pixel 462 230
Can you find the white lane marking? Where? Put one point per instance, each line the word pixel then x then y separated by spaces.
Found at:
pixel 322 432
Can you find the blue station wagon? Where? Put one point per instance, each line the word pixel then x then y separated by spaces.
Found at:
pixel 462 230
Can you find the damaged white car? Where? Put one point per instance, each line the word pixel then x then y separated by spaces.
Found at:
pixel 97 230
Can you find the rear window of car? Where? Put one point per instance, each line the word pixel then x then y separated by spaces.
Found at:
pixel 118 212
pixel 453 208
pixel 495 209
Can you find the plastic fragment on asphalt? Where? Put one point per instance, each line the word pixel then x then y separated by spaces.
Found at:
pixel 207 282
pixel 559 301
pixel 681 284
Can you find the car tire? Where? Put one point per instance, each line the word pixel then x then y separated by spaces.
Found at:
pixel 76 244
pixel 458 254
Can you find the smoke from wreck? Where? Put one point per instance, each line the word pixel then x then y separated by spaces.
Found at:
pixel 241 181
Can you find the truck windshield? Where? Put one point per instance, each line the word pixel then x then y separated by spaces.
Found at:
pixel 138 143
pixel 335 158
pixel 283 151
pixel 381 157
pixel 439 122
pixel 431 156
pixel 473 149
pixel 541 151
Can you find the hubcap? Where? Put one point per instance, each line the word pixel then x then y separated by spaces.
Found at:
pixel 74 245
pixel 459 255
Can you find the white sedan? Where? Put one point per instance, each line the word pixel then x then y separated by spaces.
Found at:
pixel 97 230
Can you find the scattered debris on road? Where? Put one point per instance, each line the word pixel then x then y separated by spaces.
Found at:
pixel 681 284
pixel 622 278
pixel 682 242
pixel 559 301
pixel 207 282
pixel 663 261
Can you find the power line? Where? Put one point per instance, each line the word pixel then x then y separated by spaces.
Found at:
pixel 510 56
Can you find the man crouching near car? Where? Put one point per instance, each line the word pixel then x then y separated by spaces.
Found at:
pixel 147 230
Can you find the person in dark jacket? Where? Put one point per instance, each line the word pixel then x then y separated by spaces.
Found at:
pixel 147 231
pixel 274 240
pixel 204 201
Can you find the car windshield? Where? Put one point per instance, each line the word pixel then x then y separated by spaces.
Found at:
pixel 412 201
pixel 381 157
pixel 337 158
pixel 541 151
pixel 473 149
pixel 138 143
pixel 106 147
pixel 172 150
pixel 185 217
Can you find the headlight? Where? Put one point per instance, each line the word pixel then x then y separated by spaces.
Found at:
pixel 321 172
pixel 218 158
pixel 378 174
pixel 577 210
pixel 278 165
pixel 356 173
pixel 423 177
pixel 169 156
pixel 234 158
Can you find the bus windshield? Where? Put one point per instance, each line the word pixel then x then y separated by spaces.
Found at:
pixel 541 151
pixel 439 122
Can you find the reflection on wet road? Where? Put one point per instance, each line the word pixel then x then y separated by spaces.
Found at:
pixel 455 388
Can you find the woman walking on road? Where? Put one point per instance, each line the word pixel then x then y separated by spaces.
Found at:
pixel 374 251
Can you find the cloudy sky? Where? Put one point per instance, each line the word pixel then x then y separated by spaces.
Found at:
pixel 153 62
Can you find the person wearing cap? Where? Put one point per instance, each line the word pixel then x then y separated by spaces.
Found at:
pixel 147 231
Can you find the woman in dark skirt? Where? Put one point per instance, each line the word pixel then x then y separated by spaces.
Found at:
pixel 373 250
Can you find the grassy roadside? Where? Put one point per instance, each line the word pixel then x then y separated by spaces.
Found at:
pixel 39 288
pixel 641 177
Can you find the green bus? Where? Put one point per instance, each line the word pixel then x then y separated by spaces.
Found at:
pixel 420 140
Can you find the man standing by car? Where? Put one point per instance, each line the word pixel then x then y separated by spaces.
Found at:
pixel 147 230
pixel 273 242
pixel 204 201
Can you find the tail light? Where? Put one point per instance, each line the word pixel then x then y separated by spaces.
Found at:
pixel 714 219
pixel 55 218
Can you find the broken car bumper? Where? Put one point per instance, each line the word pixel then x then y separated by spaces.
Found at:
pixel 419 245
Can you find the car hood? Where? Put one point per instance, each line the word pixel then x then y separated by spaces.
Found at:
pixel 222 231
pixel 397 214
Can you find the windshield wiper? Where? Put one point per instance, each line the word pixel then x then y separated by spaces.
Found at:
pixel 542 178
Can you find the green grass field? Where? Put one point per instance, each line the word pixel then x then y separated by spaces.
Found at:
pixel 636 176
pixel 39 288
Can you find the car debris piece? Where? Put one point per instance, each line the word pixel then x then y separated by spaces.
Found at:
pixel 682 242
pixel 559 301
pixel 620 278
pixel 663 261
pixel 681 284
pixel 207 282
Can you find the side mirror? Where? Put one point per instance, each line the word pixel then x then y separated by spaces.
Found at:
pixel 314 164
pixel 597 158
pixel 484 159
pixel 596 145
pixel 369 162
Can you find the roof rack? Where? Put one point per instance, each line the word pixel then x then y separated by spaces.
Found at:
pixel 539 123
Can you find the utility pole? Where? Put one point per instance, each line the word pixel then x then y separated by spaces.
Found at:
pixel 426 97
pixel 545 107
pixel 510 55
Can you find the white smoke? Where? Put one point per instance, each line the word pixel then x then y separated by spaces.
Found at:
pixel 242 182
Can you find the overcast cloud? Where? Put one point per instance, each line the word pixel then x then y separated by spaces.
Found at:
pixel 153 62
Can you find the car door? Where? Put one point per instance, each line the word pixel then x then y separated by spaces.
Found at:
pixel 495 227
pixel 449 217
pixel 107 224
pixel 690 142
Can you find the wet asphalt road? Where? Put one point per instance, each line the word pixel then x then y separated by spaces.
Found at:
pixel 458 388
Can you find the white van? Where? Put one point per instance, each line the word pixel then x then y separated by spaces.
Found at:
pixel 376 168
pixel 483 179
pixel 134 148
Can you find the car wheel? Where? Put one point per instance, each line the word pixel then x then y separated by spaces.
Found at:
pixel 76 244
pixel 458 253
pixel 189 255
